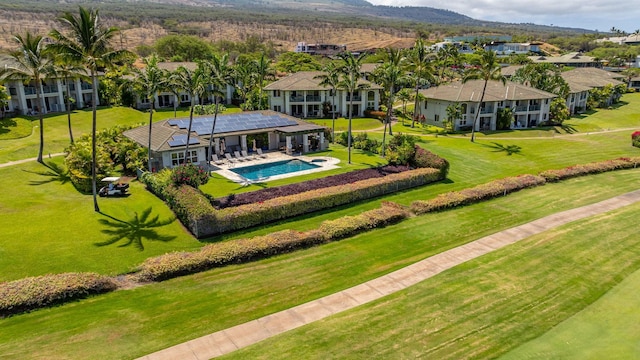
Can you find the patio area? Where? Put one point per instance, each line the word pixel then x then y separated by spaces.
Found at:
pixel 226 166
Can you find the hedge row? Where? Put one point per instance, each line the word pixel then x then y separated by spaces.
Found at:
pixel 36 292
pixel 176 264
pixel 478 193
pixel 213 222
pixel 590 168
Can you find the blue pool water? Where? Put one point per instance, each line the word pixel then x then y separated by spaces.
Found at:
pixel 261 171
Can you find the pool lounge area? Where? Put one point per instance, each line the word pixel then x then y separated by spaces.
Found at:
pixel 275 165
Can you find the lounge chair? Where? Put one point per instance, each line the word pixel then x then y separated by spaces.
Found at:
pixel 246 155
pixel 228 157
pixel 215 160
pixel 238 156
pixel 261 154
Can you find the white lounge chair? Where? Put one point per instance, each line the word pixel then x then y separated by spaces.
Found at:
pixel 228 157
pixel 261 154
pixel 238 156
pixel 246 155
pixel 216 160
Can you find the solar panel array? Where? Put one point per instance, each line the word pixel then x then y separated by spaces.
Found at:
pixel 181 140
pixel 234 122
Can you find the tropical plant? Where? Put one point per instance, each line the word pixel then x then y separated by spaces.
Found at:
pixel 193 82
pixel 30 62
pixel 87 42
pixel 446 56
pixel 543 76
pixel 558 111
pixel 331 78
pixel 421 68
pixel 244 78
pixel 486 68
pixel 350 82
pixel 264 71
pixel 148 83
pixel 454 112
pixel 405 96
pixel 4 99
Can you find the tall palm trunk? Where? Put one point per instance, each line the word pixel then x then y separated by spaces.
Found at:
pixel 186 150
pixel 475 120
pixel 151 109
pixel 387 120
pixel 66 104
pixel 415 108
pixel 349 129
pixel 333 117
pixel 94 108
pixel 41 121
pixel 213 129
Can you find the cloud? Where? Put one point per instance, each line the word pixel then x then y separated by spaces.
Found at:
pixel 593 14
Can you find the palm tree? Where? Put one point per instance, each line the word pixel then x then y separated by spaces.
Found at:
pixel 487 68
pixel 331 78
pixel 88 42
pixel 405 96
pixel 422 71
pixel 389 75
pixel 445 55
pixel 193 82
pixel 263 70
pixel 218 76
pixel 350 82
pixel 69 71
pixel 30 62
pixel 244 76
pixel 148 83
pixel 4 99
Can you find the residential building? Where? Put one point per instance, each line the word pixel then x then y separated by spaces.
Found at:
pixel 631 39
pixel 529 106
pixel 268 130
pixel 301 95
pixel 24 99
pixel 635 83
pixel 581 80
pixel 574 59
pixel 319 49
pixel 508 48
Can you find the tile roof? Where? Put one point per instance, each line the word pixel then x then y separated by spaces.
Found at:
pixel 590 78
pixel 471 91
pixel 305 80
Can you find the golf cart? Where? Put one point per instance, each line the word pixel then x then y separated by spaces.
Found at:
pixel 114 187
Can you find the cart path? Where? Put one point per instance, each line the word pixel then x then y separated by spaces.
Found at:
pixel 16 162
pixel 237 337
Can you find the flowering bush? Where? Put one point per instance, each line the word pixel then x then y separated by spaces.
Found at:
pixel 389 213
pixel 590 168
pixel 478 193
pixel 189 174
pixel 426 159
pixel 36 292
pixel 635 139
pixel 157 182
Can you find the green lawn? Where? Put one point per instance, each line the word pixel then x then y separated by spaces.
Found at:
pixel 145 319
pixel 357 124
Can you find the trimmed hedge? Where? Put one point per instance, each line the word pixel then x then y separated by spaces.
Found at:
pixel 209 222
pixel 176 264
pixel 37 292
pixel 478 193
pixel 635 139
pixel 590 168
pixel 426 159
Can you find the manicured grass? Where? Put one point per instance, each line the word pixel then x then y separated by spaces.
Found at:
pixel 131 323
pixel 48 227
pixel 15 128
pixel 484 308
pixel 607 329
pixel 357 124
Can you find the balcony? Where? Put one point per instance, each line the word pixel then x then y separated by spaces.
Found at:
pixel 313 98
pixel 296 98
pixel 521 108
pixel 534 107
pixel 49 89
pixel 486 110
pixel 29 90
pixel 85 86
pixel 355 98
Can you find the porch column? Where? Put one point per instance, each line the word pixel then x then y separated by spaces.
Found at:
pixel 322 146
pixel 288 145
pixel 60 95
pixel 243 142
pixel 79 97
pixel 216 145
pixel 22 98
pixel 305 143
pixel 304 106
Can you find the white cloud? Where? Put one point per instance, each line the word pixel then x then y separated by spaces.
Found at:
pixel 593 14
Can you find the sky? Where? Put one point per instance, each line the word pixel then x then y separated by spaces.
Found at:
pixel 599 15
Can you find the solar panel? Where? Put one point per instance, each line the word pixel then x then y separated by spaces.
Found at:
pixel 181 140
pixel 234 122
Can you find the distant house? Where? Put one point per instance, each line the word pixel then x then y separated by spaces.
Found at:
pixel 301 95
pixel 632 39
pixel 234 132
pixel 574 59
pixel 530 106
pixel 635 83
pixel 508 48
pixel 168 99
pixel 319 49
pixel 581 80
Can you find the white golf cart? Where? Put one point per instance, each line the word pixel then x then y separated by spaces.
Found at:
pixel 114 186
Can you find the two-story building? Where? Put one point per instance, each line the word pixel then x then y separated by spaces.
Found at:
pixel 581 80
pixel 24 99
pixel 529 106
pixel 301 95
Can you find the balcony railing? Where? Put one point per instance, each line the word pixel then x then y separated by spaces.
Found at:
pixel 534 108
pixel 297 98
pixel 29 90
pixel 49 89
pixel 486 110
pixel 521 108
pixel 355 98
pixel 84 86
pixel 313 98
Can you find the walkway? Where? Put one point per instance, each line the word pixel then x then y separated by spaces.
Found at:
pixel 16 162
pixel 237 337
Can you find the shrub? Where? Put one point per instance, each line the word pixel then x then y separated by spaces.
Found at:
pixel 635 139
pixel 401 149
pixel 189 174
pixel 36 292
pixel 590 168
pixel 157 182
pixel 361 141
pixel 426 159
pixel 478 193
pixel 380 115
pixel 389 213
pixel 191 207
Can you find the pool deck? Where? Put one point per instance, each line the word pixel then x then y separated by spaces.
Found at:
pixel 329 163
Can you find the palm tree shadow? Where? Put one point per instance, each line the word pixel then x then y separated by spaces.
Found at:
pixel 509 149
pixel 54 173
pixel 134 231
pixel 568 129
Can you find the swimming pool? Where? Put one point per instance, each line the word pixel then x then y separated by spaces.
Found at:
pixel 267 170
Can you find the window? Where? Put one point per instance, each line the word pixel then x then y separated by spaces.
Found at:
pixel 177 158
pixel 144 100
pixel 277 108
pixel 463 122
pixel 184 98
pixel 276 93
pixel 437 118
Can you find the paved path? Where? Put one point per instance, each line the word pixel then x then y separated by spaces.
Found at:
pixel 11 163
pixel 237 337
